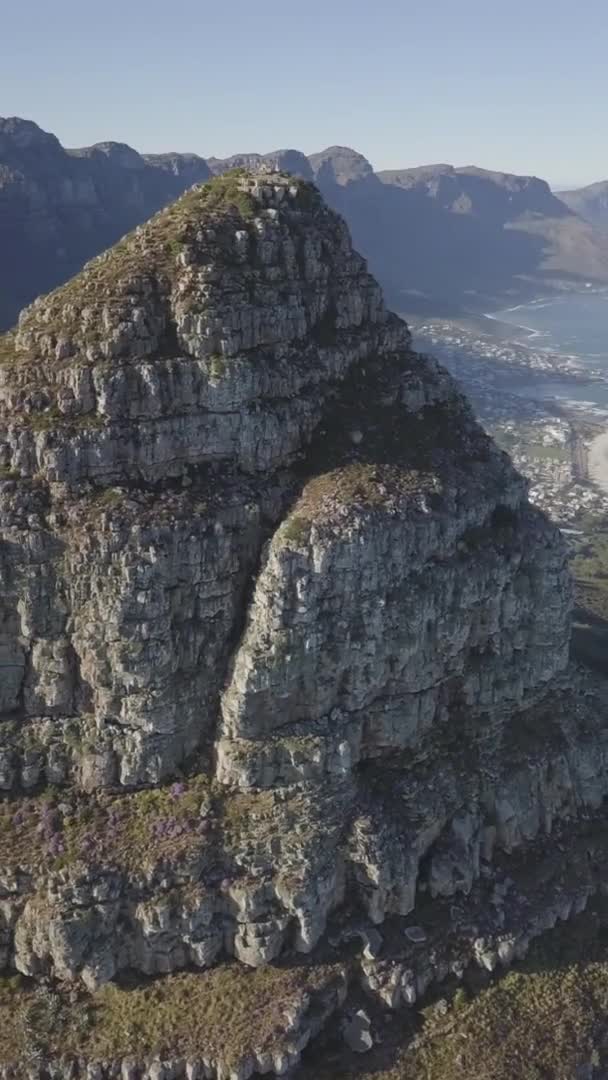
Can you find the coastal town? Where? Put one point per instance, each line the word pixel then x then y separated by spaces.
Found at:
pixel 547 410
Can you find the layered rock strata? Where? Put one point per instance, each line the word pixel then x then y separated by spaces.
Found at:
pixel 283 645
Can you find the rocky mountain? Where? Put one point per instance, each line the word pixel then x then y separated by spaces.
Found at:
pixel 288 720
pixel 480 238
pixel 339 166
pixel 60 207
pixel 437 238
pixel 590 203
pixel 291 161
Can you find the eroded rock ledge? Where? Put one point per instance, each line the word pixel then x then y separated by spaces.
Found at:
pixel 233 1022
pixel 283 645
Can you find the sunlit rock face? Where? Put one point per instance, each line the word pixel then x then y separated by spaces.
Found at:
pixel 256 554
pixel 234 475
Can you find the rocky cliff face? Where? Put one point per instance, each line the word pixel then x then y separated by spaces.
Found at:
pixel 284 656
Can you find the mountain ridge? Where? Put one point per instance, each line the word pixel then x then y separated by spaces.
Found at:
pixel 481 238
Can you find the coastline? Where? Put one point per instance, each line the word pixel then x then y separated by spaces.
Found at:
pixel 533 333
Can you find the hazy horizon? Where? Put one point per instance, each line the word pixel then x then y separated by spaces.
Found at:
pixel 556 186
pixel 518 90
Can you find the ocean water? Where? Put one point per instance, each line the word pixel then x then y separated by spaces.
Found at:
pixel 576 325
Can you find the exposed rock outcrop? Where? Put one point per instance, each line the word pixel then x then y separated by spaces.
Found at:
pixel 284 647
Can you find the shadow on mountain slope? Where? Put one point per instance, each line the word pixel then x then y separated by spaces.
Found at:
pixel 473 256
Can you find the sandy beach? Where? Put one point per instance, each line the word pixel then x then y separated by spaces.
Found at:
pixel 597 461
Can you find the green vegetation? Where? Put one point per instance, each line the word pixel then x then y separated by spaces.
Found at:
pixel 217 367
pixel 224 1013
pixel 224 193
pixel 360 484
pixel 540 1022
pixel 553 453
pixel 355 484
pixel 308 195
pixel 156 508
pixel 530 1025
pixel 109 499
pixel 130 831
pixel 53 418
pixel 526 441
pixel 44 421
pixel 590 562
pixel 296 530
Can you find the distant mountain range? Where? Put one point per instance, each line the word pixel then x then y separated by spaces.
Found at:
pixel 438 237
pixel 591 203
pixel 466 237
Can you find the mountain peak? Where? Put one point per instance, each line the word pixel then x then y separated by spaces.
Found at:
pixel 180 164
pixel 153 269
pixel 340 165
pixel 26 135
pixel 213 297
pixel 120 154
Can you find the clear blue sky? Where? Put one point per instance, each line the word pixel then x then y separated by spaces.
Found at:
pixel 518 85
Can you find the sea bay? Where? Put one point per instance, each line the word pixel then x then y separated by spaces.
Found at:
pixel 574 324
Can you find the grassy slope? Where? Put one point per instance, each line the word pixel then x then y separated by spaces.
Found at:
pixel 542 1021
pixel 224 1013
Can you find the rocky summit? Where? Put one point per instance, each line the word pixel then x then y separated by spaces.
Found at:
pixel 287 716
